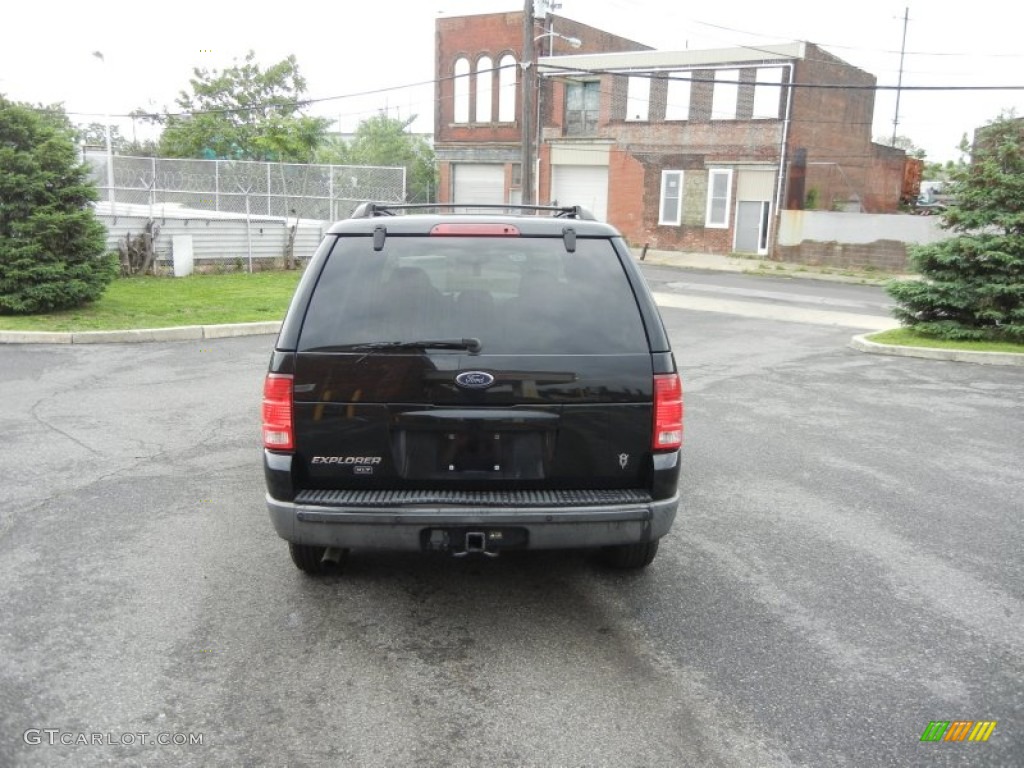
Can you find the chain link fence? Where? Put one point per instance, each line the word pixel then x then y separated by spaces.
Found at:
pixel 323 192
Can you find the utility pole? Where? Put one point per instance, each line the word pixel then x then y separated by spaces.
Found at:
pixel 529 67
pixel 899 82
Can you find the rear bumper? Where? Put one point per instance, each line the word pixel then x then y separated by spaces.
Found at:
pixel 401 528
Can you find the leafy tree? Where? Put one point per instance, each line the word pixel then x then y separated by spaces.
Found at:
pixel 51 243
pixel 333 150
pixel 973 286
pixel 136 148
pixel 942 171
pixel 244 112
pixel 383 140
pixel 95 134
pixel 902 142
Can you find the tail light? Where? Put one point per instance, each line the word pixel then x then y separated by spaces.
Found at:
pixel 668 412
pixel 277 412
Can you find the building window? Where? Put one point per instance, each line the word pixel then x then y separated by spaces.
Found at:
pixel 677 98
pixel 461 83
pixel 726 96
pixel 582 103
pixel 719 192
pixel 507 89
pixel 638 98
pixel 484 86
pixel 767 93
pixel 670 211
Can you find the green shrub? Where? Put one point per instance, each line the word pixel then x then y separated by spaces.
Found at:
pixel 52 246
pixel 973 284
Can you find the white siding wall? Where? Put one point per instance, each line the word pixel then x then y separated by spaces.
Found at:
pixel 221 238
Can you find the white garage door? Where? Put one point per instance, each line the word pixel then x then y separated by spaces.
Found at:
pixel 477 183
pixel 585 185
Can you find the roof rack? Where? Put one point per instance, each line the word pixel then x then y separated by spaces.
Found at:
pixel 373 210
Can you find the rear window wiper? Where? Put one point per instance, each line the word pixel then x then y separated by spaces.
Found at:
pixel 471 345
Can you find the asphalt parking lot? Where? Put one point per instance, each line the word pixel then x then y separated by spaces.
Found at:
pixel 846 568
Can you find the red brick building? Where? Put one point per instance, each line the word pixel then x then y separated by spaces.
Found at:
pixel 478 107
pixel 684 150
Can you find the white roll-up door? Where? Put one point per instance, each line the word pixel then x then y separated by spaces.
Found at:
pixel 585 185
pixel 479 183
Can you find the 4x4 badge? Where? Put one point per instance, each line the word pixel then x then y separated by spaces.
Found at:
pixel 474 380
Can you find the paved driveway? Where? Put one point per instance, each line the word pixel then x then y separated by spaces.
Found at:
pixel 845 569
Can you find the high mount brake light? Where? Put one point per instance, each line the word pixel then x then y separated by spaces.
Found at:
pixel 668 412
pixel 277 413
pixel 470 229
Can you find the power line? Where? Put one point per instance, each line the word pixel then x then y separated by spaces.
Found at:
pixel 607 93
pixel 631 9
pixel 551 72
pixel 867 50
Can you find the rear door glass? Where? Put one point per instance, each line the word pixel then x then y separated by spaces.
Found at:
pixel 516 295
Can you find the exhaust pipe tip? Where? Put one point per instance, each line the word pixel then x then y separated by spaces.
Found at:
pixel 334 556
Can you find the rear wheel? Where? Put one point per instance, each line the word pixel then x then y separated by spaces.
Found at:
pixel 311 559
pixel 630 556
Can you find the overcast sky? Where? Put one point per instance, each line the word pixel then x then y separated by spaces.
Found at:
pixel 350 47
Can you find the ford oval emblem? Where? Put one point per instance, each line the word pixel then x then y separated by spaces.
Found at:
pixel 474 380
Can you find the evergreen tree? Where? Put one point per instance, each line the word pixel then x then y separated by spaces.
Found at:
pixel 51 243
pixel 973 283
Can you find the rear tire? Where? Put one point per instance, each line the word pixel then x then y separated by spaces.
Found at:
pixel 310 559
pixel 630 556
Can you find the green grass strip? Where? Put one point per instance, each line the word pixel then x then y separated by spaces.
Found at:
pixel 164 302
pixel 904 337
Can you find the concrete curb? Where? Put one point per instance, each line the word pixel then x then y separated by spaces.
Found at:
pixel 178 333
pixel 863 344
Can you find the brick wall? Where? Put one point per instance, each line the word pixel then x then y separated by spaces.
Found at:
pixel 627 195
pixel 495 35
pixel 471 37
pixel 834 126
pixel 883 255
pixel 634 197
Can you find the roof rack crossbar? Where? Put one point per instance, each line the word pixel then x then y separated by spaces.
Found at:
pixel 371 210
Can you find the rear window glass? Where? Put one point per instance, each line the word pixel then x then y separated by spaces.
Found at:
pixel 516 295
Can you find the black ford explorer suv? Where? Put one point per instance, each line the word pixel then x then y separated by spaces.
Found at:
pixel 472 383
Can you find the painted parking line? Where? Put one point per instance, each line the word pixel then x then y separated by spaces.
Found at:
pixel 775 312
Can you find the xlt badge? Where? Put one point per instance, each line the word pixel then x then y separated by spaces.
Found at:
pixel 474 380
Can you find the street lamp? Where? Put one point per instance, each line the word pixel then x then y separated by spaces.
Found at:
pixel 574 42
pixel 110 152
pixel 530 88
pixel 528 66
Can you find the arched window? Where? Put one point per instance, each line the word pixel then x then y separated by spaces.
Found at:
pixel 461 90
pixel 507 89
pixel 484 87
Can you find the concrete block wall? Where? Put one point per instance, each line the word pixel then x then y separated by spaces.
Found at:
pixel 882 255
